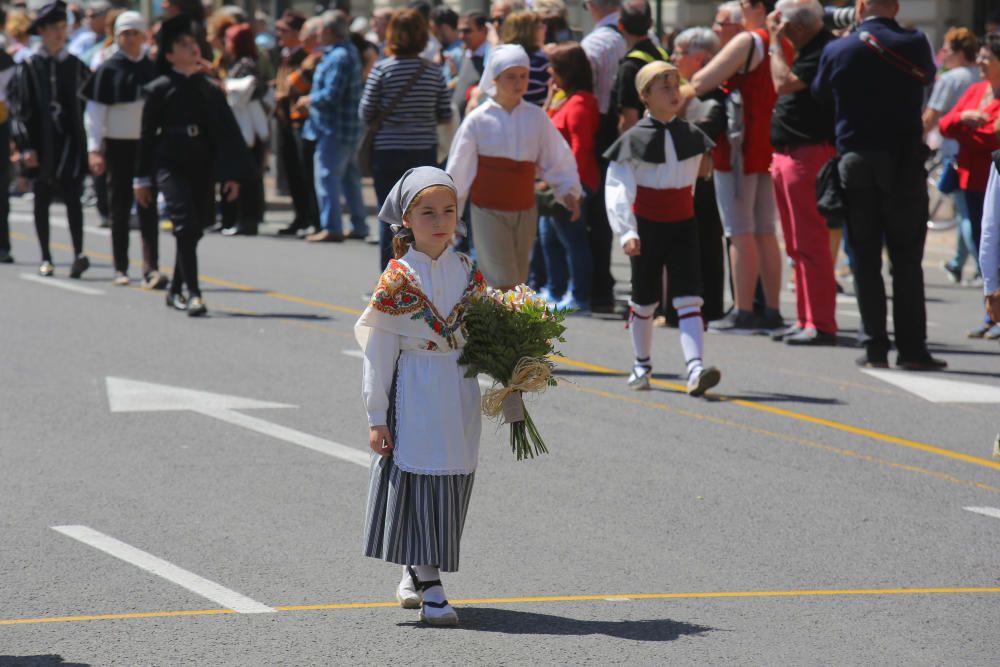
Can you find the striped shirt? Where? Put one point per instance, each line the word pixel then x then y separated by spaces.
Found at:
pixel 605 48
pixel 413 123
pixel 538 79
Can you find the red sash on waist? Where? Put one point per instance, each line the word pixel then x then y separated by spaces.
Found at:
pixel 670 205
pixel 503 184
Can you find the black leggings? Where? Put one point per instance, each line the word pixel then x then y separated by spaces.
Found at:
pixel 71 191
pixel 190 199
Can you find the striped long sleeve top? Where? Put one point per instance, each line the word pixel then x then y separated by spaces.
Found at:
pixel 413 123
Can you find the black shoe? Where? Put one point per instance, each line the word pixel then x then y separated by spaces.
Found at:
pixel 80 264
pixel 291 230
pixel 781 335
pixel 239 231
pixel 954 273
pixel 355 236
pixel 176 301
pixel 6 257
pixel 921 363
pixel 740 322
pixel 864 362
pixel 769 322
pixel 196 307
pixel 812 337
pixel 46 270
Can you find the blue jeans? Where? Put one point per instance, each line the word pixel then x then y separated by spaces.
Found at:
pixel 337 173
pixel 970 213
pixel 566 247
pixel 388 166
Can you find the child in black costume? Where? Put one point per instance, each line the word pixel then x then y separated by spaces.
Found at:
pixel 189 141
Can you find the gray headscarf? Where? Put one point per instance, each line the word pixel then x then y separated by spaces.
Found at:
pixel 406 190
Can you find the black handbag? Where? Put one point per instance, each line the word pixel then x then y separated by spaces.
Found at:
pixel 830 194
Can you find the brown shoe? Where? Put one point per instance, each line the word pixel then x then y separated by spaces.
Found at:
pixel 325 236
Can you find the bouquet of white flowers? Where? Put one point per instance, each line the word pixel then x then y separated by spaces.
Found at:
pixel 509 337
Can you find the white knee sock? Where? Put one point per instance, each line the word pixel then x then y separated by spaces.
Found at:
pixel 430 573
pixel 692 330
pixel 640 324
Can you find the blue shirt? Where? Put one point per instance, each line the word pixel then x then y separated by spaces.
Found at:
pixel 455 50
pixel 336 94
pixel 876 105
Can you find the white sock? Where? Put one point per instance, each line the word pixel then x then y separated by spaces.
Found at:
pixel 692 330
pixel 430 573
pixel 640 324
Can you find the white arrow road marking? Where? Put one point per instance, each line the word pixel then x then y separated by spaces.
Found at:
pixel 134 396
pixel 217 593
pixel 484 382
pixel 986 511
pixel 937 389
pixel 61 284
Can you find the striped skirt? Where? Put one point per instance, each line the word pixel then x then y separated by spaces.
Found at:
pixel 415 519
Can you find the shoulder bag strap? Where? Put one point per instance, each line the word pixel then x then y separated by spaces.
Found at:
pixel 377 121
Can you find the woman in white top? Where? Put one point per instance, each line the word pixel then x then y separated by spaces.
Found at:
pixel 423 413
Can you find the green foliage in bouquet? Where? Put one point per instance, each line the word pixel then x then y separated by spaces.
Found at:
pixel 509 337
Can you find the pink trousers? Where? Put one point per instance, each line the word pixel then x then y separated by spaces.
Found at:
pixel 807 238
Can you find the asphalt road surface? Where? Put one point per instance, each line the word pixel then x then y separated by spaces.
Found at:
pixel 805 513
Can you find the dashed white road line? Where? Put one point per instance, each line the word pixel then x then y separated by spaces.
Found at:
pixel 985 511
pixel 61 284
pixel 217 593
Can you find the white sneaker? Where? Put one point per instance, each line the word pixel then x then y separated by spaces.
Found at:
pixel 702 380
pixel 639 378
pixel 407 594
pixel 438 613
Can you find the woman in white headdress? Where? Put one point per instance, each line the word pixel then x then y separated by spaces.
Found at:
pixel 499 149
pixel 423 413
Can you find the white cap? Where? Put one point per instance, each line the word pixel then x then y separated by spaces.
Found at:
pixel 499 59
pixel 130 21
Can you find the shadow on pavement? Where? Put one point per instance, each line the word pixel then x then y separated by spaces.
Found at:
pixel 512 622
pixel 37 661
pixel 307 317
pixel 773 397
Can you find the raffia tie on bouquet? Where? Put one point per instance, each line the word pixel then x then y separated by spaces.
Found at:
pixel 530 374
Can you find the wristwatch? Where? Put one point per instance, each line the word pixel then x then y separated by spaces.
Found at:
pixel 774 48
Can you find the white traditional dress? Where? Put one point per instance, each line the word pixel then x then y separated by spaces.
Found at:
pixel 411 336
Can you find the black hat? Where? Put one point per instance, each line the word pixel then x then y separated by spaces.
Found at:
pixel 53 12
pixel 170 30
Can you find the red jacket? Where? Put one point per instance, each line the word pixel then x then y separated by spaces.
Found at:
pixel 577 120
pixel 974 144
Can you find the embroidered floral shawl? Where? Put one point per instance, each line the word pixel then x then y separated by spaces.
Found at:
pixel 399 305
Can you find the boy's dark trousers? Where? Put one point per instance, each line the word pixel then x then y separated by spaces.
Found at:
pixel 120 159
pixel 71 190
pixel 190 202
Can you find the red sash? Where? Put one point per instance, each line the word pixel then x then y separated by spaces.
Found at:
pixel 503 184
pixel 671 205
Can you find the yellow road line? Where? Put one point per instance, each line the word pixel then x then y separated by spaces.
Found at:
pixel 841 451
pixel 753 405
pixel 527 600
pixel 798 416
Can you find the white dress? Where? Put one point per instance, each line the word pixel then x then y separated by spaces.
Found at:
pixel 411 338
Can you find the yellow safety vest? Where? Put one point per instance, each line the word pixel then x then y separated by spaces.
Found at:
pixel 646 57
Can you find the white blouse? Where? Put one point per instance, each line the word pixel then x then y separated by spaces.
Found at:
pixel 624 178
pixel 416 337
pixel 989 244
pixel 525 134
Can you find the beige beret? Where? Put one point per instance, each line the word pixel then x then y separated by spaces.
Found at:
pixel 649 72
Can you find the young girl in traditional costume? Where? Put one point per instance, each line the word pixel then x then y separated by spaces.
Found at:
pixel 423 413
pixel 499 149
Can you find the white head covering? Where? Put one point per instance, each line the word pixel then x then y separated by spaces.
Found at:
pixel 406 189
pixel 130 21
pixel 499 59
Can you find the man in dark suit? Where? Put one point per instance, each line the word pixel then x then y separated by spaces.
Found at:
pixel 875 78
